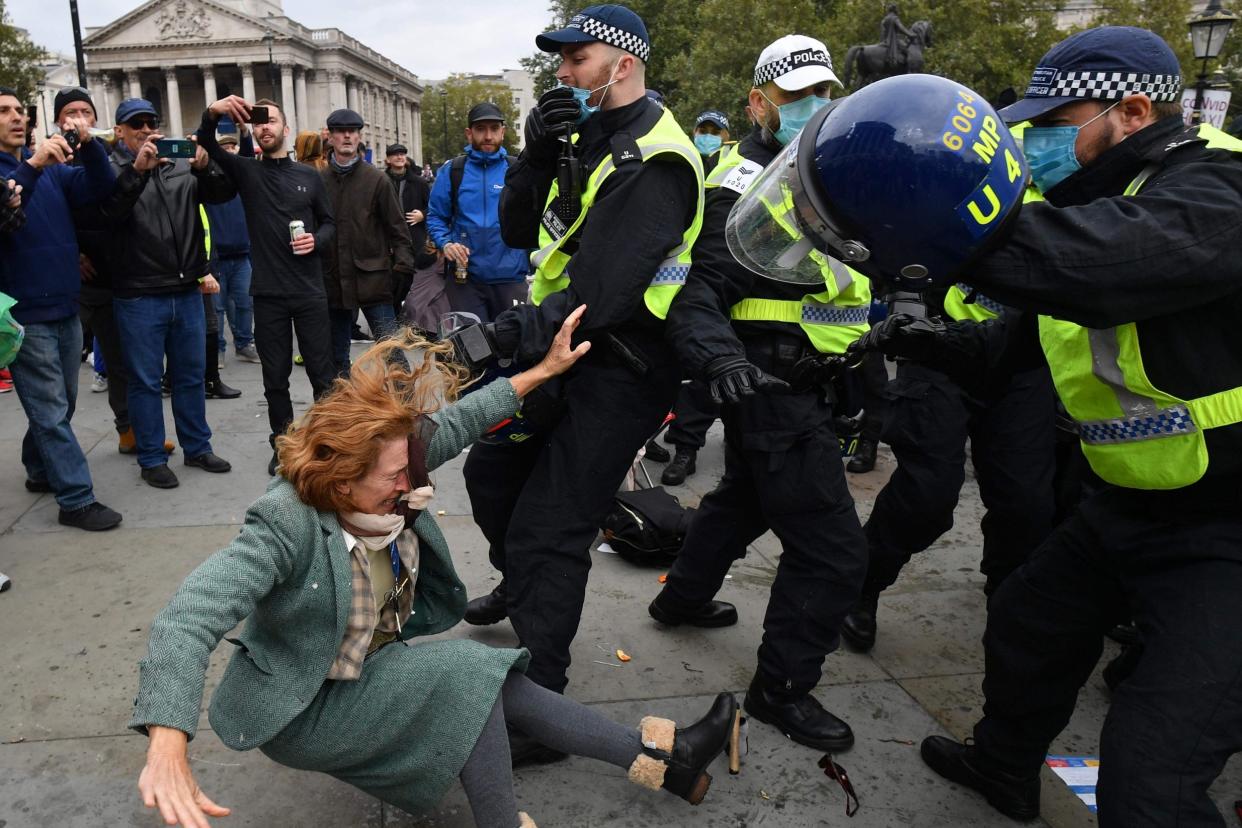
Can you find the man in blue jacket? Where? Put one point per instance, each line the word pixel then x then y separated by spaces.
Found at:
pixel 39 268
pixel 485 276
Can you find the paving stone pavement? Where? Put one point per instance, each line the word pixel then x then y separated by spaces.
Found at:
pixel 74 626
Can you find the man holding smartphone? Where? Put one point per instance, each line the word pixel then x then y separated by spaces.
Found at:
pixel 160 257
pixel 277 194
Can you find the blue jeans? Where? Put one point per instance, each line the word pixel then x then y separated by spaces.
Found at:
pixel 233 300
pixel 152 326
pixel 45 375
pixel 381 319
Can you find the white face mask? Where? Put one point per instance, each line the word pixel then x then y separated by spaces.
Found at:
pixel 381 530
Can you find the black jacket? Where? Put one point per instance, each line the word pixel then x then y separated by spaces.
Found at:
pixel 640 213
pixel 699 327
pixel 413 193
pixel 371 240
pixel 1166 259
pixel 155 242
pixel 275 191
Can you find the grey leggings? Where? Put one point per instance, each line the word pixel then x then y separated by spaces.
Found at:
pixel 558 722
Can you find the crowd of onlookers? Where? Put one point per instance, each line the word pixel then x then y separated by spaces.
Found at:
pixel 146 256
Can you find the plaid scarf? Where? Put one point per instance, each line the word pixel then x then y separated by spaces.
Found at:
pixel 364 620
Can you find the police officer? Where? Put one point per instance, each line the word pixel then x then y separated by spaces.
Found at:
pixel 1010 424
pixel 1130 278
pixel 612 227
pixel 783 470
pixel 711 137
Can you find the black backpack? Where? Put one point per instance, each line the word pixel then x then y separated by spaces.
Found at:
pixel 647 526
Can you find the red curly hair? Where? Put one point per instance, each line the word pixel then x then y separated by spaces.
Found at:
pixel 338 439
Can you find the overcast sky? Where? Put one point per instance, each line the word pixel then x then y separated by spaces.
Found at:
pixel 431 38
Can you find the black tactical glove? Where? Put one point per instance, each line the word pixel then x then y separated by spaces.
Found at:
pixel 730 378
pixel 818 370
pixel 901 336
pixel 546 124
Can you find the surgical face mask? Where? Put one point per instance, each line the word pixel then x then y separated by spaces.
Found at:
pixel 707 144
pixel 795 115
pixel 585 110
pixel 1050 152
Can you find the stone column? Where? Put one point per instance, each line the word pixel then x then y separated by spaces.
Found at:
pixel 292 115
pixel 299 98
pixel 416 131
pixel 134 78
pixel 104 116
pixel 337 94
pixel 172 106
pixel 351 94
pixel 247 70
pixel 209 84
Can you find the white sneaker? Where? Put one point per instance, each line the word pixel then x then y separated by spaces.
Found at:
pixel 99 384
pixel 220 362
pixel 5 583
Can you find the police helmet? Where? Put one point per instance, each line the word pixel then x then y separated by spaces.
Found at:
pixel 907 180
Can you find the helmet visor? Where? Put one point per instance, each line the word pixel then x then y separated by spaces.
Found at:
pixel 762 230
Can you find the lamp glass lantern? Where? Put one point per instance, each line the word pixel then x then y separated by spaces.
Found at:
pixel 1208 30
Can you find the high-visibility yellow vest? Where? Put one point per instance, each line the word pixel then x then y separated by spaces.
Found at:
pixel 549 261
pixel 1132 433
pixel 202 215
pixel 831 318
pixel 981 308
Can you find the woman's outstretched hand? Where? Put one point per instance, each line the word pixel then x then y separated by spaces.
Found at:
pixel 167 783
pixel 559 359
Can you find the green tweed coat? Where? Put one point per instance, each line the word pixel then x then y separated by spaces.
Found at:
pixel 288 573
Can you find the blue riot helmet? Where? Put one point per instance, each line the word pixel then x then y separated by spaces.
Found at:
pixel 906 180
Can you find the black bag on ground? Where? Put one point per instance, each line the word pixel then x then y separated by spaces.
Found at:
pixel 647 526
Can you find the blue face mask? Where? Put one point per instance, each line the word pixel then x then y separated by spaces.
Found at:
pixel 585 110
pixel 707 144
pixel 795 115
pixel 1050 153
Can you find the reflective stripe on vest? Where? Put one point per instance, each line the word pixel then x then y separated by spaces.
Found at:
pixel 1132 433
pixel 550 262
pixel 831 318
pixel 980 309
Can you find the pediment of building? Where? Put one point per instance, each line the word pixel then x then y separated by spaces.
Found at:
pixel 175 22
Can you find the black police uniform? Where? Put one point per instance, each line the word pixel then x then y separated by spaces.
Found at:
pixel 1168 260
pixel 1010 423
pixel 783 467
pixel 543 503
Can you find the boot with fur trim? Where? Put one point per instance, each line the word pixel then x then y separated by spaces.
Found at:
pixel 525 820
pixel 676 759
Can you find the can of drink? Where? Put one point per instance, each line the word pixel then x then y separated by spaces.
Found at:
pixel 297 227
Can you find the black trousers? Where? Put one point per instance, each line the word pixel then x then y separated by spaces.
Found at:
pixel 874 376
pixel 1172 561
pixel 557 491
pixel 275 320
pixel 1011 438
pixel 696 411
pixel 783 472
pixel 95 311
pixel 212 341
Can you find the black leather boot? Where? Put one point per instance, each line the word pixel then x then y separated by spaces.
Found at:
pixel 679 468
pixel 801 718
pixel 858 627
pixel 676 759
pixel 1015 797
pixel 656 452
pixel 490 609
pixel 711 614
pixel 864 457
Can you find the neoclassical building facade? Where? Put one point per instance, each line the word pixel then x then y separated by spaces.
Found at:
pixel 183 54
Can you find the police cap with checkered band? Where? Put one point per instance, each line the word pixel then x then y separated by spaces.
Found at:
pixel 1106 63
pixel 609 23
pixel 795 62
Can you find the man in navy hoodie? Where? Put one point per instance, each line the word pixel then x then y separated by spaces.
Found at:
pixel 466 224
pixel 39 268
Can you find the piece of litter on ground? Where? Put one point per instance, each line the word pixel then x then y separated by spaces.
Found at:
pixel 441 512
pixel 906 742
pixel 606 663
pixel 1080 774
pixel 606 549
pixel 664 578
pixel 622 655
pixel 689 669
pixel 728 577
pixel 764 795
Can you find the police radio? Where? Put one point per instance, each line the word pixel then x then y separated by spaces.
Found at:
pixel 568 182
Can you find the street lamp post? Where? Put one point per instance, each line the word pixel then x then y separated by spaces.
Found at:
pixel 1208 30
pixel 444 102
pixel 396 112
pixel 268 40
